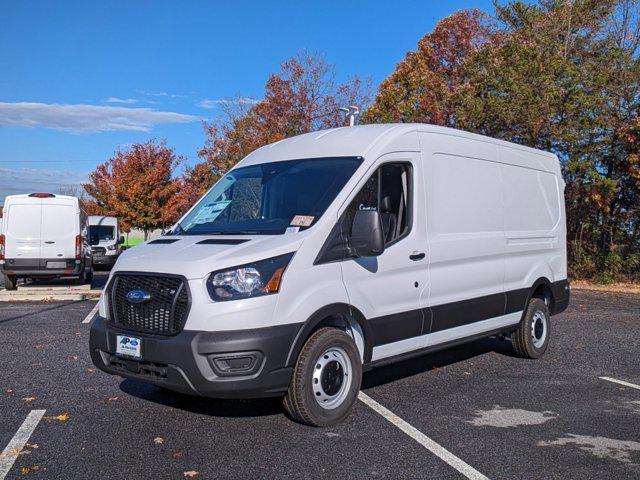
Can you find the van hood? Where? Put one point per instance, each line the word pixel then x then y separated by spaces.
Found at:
pixel 196 257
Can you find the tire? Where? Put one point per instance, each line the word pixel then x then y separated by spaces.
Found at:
pixel 531 338
pixel 89 276
pixel 82 277
pixel 326 379
pixel 10 282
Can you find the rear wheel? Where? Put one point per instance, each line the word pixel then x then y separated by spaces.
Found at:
pixel 532 337
pixel 326 379
pixel 89 276
pixel 10 282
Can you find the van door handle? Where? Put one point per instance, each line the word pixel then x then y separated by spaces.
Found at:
pixel 417 256
pixel 49 242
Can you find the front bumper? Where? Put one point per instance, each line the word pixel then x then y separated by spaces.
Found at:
pixel 35 267
pixel 192 361
pixel 108 260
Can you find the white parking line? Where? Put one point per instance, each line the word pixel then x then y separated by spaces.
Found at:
pixel 621 382
pixel 17 443
pixel 441 452
pixel 92 313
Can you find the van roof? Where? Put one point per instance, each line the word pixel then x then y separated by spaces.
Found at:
pixel 102 220
pixel 64 198
pixel 359 140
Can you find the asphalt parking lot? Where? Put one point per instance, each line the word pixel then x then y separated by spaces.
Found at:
pixel 495 415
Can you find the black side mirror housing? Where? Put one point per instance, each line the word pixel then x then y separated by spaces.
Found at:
pixel 367 238
pixel 120 239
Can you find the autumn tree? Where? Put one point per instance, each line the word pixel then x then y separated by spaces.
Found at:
pixel 425 85
pixel 137 186
pixel 304 96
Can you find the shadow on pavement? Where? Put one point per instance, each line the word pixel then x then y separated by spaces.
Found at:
pixel 41 310
pixel 204 406
pixel 429 361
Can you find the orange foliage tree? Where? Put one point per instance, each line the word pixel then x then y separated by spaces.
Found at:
pixel 303 97
pixel 137 186
pixel 425 85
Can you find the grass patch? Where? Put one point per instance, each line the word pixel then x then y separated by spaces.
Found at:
pixel 130 242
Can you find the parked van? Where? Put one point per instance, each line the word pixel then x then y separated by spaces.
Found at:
pixel 105 240
pixel 330 253
pixel 43 235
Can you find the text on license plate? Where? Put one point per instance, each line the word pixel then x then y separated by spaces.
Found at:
pixel 129 346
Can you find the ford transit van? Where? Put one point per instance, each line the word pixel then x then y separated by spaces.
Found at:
pixel 330 253
pixel 105 240
pixel 44 236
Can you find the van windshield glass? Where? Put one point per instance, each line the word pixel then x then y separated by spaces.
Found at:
pixel 267 198
pixel 99 233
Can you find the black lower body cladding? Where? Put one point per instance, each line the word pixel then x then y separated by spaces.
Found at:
pixel 225 364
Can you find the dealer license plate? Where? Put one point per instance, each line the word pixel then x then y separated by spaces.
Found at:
pixel 130 347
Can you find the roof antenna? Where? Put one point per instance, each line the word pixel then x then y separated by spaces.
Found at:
pixel 351 112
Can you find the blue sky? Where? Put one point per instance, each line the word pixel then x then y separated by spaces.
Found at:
pixel 79 79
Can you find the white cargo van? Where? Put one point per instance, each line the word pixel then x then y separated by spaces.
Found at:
pixel 105 239
pixel 43 235
pixel 330 253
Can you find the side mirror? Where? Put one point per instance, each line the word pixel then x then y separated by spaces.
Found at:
pixel 367 239
pixel 120 239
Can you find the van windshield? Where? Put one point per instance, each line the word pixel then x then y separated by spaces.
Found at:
pixel 99 233
pixel 267 198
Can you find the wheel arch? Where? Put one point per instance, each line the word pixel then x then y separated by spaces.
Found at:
pixel 541 288
pixel 339 315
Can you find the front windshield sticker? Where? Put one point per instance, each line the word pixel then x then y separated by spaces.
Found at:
pixel 210 212
pixel 302 220
pixel 292 230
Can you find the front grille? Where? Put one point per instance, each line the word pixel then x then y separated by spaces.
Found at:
pixel 98 250
pixel 164 312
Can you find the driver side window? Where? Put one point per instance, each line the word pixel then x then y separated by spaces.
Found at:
pixel 388 192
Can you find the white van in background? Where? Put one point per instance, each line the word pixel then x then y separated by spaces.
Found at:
pixel 105 239
pixel 326 254
pixel 43 236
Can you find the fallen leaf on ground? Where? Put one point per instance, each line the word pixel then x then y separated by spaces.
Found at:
pixel 28 399
pixel 15 451
pixel 91 370
pixel 158 440
pixel 177 454
pixel 74 357
pixel 190 473
pixel 8 390
pixel 112 399
pixel 31 445
pixel 62 417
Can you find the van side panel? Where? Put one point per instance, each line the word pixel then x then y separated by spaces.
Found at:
pixel 534 218
pixel 464 229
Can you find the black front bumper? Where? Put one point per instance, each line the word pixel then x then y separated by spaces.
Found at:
pixel 193 362
pixel 108 260
pixel 39 267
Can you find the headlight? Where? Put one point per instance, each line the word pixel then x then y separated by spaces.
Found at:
pixel 112 247
pixel 251 280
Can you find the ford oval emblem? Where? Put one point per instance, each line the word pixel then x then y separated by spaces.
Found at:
pixel 138 296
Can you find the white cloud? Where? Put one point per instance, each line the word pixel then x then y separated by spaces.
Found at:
pixel 86 118
pixel 161 94
pixel 120 100
pixel 26 180
pixel 208 103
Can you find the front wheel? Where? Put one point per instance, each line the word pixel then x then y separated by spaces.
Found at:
pixel 326 379
pixel 531 338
